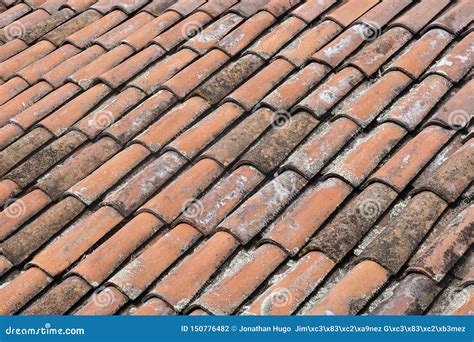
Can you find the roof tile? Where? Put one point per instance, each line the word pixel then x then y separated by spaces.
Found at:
pixel 247 8
pixel 311 9
pixel 352 292
pixel 184 281
pixel 399 239
pixel 154 307
pixel 139 273
pixel 11 48
pixel 455 18
pixel 206 212
pixel 128 6
pixel 9 133
pixel 185 7
pixel 306 214
pixel 76 240
pixel 8 189
pixel 420 14
pixel 11 88
pixel 52 22
pixel 216 8
pixel 98 265
pixel 13 13
pixel 138 186
pixel 379 15
pixel 26 22
pixel 349 11
pixel 104 302
pixel 157 7
pixel 242 277
pixel 52 6
pixel 179 194
pixel 286 294
pixel 5 265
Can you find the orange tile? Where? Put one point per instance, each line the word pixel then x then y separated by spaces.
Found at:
pixel 419 15
pixel 11 89
pixel 154 307
pixel 8 189
pixel 350 11
pixel 9 133
pixel 104 302
pixel 11 48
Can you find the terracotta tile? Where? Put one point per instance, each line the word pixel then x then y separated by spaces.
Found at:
pixel 9 67
pixel 306 214
pixel 408 161
pixel 337 50
pixel 22 289
pixel 141 116
pixel 11 48
pixel 174 198
pixel 80 164
pixel 190 77
pixel 63 118
pixel 8 134
pixel 157 7
pixel 353 221
pixel 84 37
pixel 295 87
pixel 182 31
pixel 243 35
pixel 98 265
pixel 58 299
pixel 104 302
pixel 138 274
pixel 410 109
pixel 35 3
pixel 383 12
pixel 464 270
pixel 59 74
pixel 360 158
pixel 350 11
pixel 109 112
pixel 436 257
pixel 112 38
pixel 154 307
pixel 411 296
pixel 17 28
pixel 97 183
pixel 262 207
pixel 206 212
pixel 13 13
pixel 230 146
pixel 140 185
pixel 184 281
pixel 255 89
pixel 22 101
pixel 308 42
pixel 33 72
pixel 240 280
pixel 173 123
pixel 287 132
pixel 12 88
pixel 311 9
pixel 33 33
pixel 19 210
pixel 87 75
pixel 45 105
pixel 216 8
pixel 44 159
pixel 228 78
pixel 399 239
pixel 419 15
pixel 280 7
pixel 192 141
pixel 8 189
pixel 153 77
pixel 418 56
pixel 371 102
pixel 454 113
pixel 5 265
pixel 76 240
pixel 127 6
pixel 144 35
pixel 53 5
pixel 19 246
pixel 462 303
pixel 184 7
pixel 352 292
pixel 210 36
pixel 286 294
pixel 372 56
pixel 79 5
pixel 198 312
pixel 325 96
pixel 123 72
pixel 457 61
pixel 20 149
pixel 59 34
pixel 247 8
pixel 277 37
pixel 455 18
pixel 454 175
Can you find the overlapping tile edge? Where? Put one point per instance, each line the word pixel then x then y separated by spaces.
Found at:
pixel 236 157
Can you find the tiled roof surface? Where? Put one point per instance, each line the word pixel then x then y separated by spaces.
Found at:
pixel 162 157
